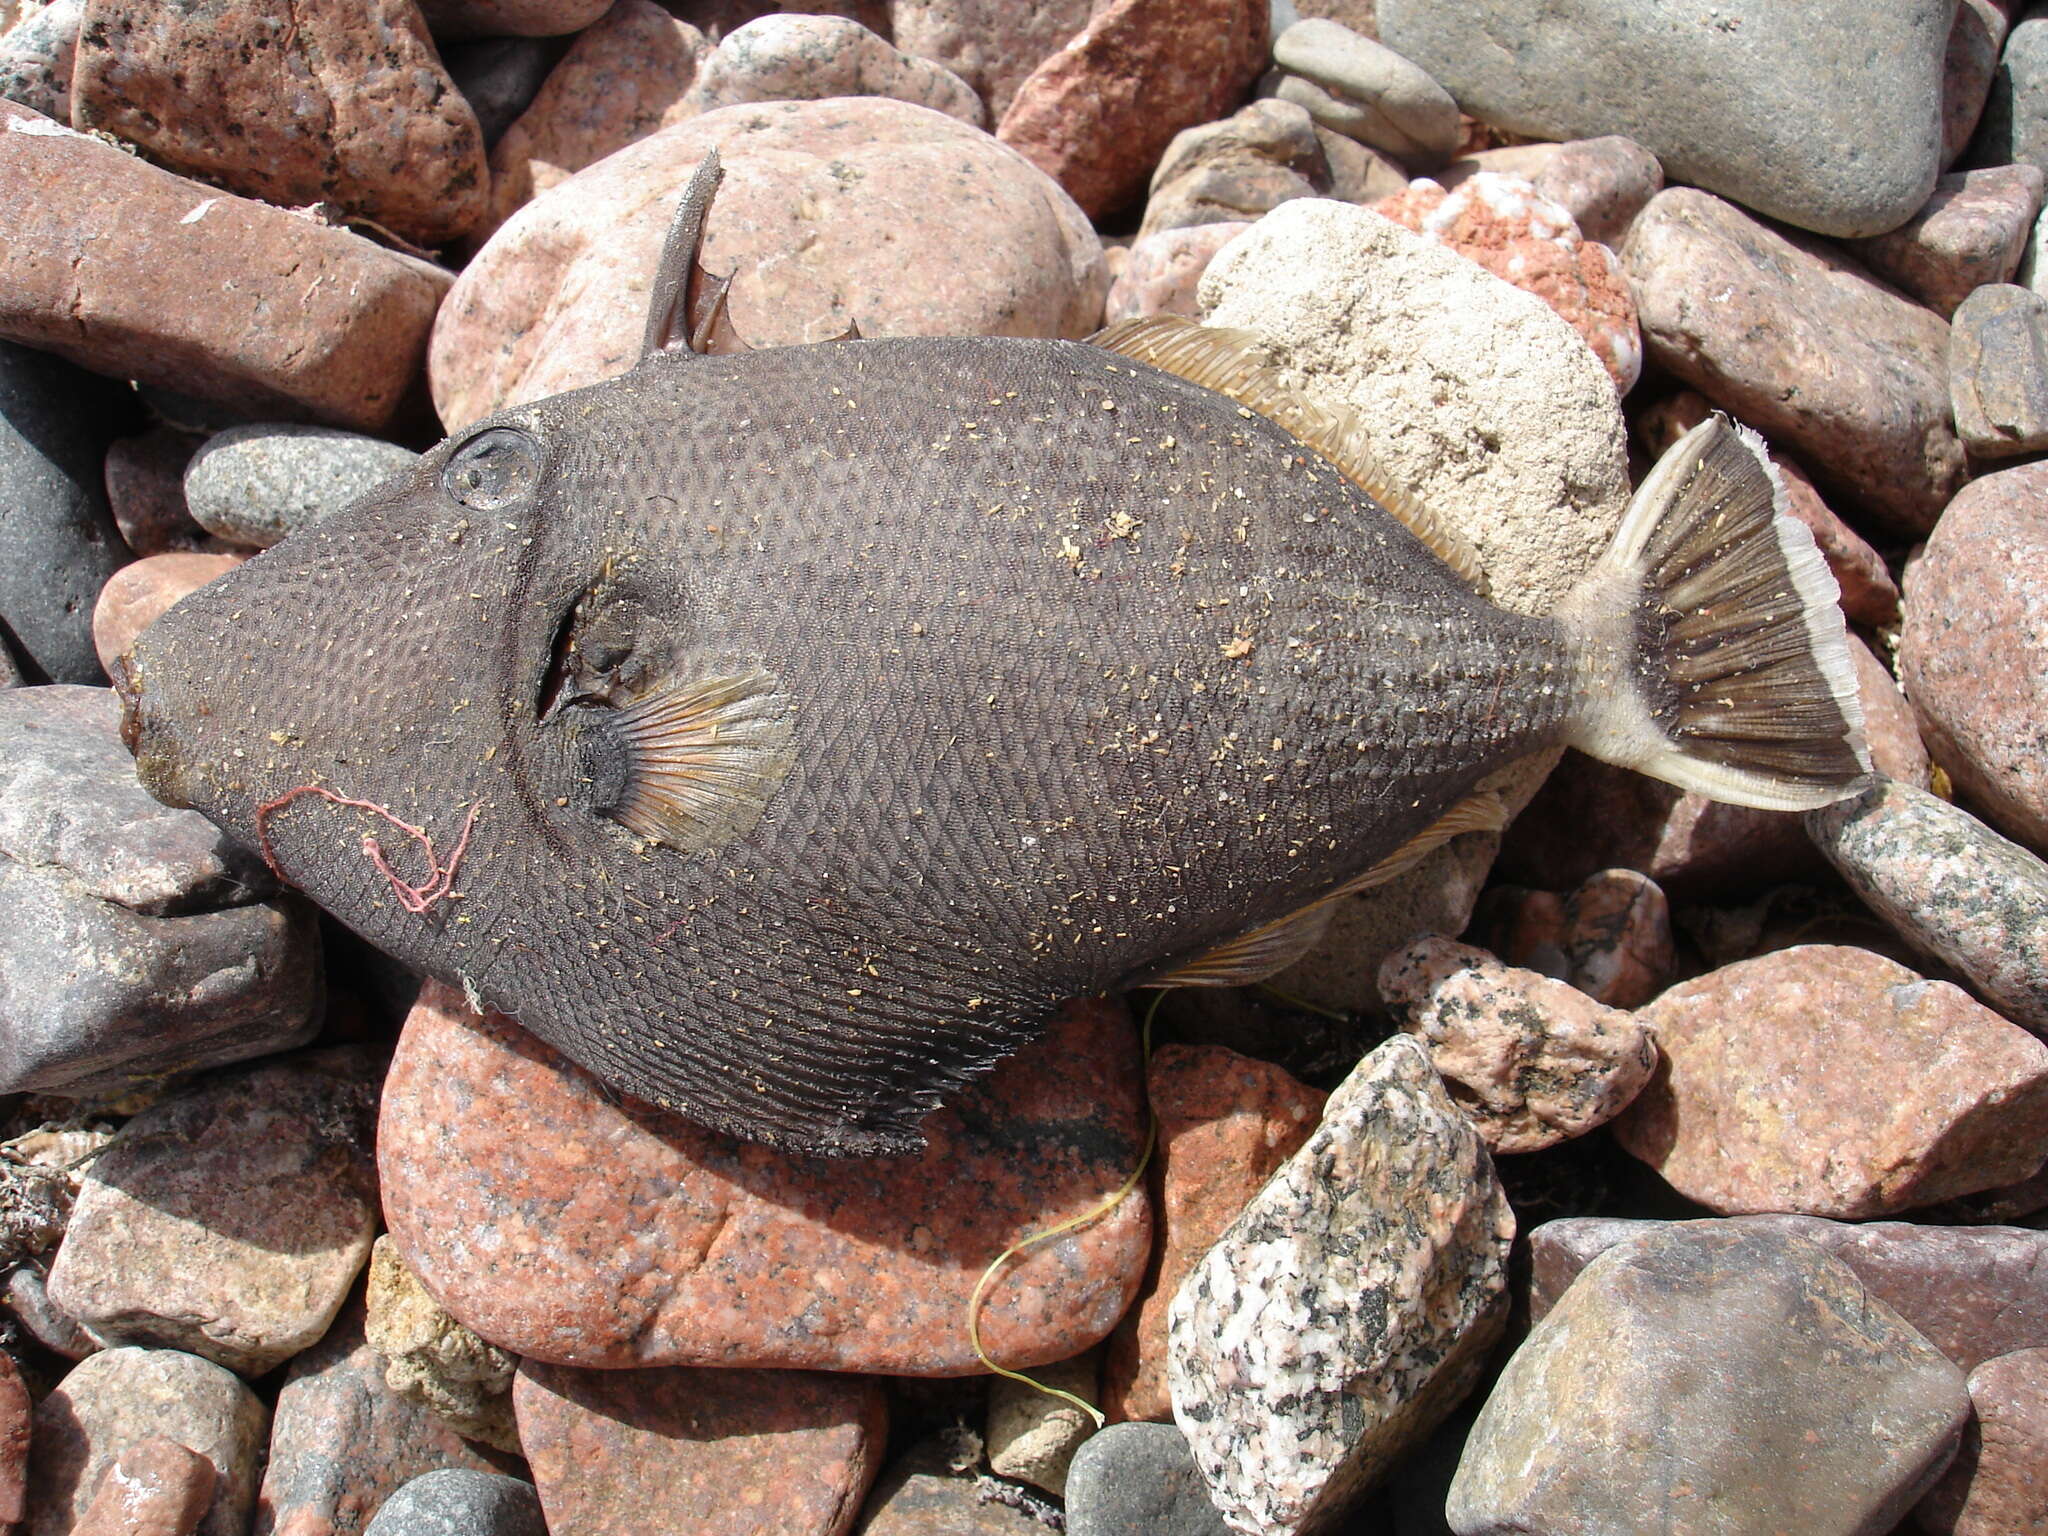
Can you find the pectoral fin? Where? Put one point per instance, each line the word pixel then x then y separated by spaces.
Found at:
pixel 696 760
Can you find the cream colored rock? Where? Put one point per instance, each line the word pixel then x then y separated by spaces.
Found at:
pixel 1032 1435
pixel 431 1359
pixel 859 211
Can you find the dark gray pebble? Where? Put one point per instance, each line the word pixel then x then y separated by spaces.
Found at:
pixel 1139 1480
pixel 254 484
pixel 458 1503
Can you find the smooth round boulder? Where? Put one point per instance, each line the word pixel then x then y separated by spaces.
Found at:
pixel 861 212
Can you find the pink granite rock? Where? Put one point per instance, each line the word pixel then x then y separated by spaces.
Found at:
pixel 1226 1122
pixel 1610 937
pixel 567 1225
pixel 1972 231
pixel 290 101
pixel 1998 1483
pixel 155 1487
pixel 684 1452
pixel 1531 1061
pixel 993 45
pixel 1973 654
pixel 1753 1110
pixel 811 58
pixel 139 594
pixel 510 18
pixel 38 52
pixel 1162 271
pixel 16 1412
pixel 1794 339
pixel 1522 237
pixel 146 491
pixel 1097 115
pixel 1602 183
pixel 299 321
pixel 868 211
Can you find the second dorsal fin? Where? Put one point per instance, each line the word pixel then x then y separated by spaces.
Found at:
pixel 686 308
pixel 1222 360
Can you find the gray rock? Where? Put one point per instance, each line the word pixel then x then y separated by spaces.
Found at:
pixel 230 1219
pixel 36 56
pixel 931 1491
pixel 139 950
pixel 1973 231
pixel 28 1302
pixel 1359 174
pixel 1349 1307
pixel 1712 1381
pixel 254 484
pixel 1998 371
pixel 10 674
pixel 499 77
pixel 1236 169
pixel 120 1396
pixel 1139 1480
pixel 60 541
pixel 1791 338
pixel 2014 126
pixel 1974 44
pixel 1826 115
pixel 1366 91
pixel 146 491
pixel 1974 1293
pixel 458 1503
pixel 1950 886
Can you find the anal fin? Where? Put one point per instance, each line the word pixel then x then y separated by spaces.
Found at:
pixel 1272 947
pixel 1222 360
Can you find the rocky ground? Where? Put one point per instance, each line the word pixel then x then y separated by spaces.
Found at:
pixel 1656 1165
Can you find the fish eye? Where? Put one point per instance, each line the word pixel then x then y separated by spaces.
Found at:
pixel 492 470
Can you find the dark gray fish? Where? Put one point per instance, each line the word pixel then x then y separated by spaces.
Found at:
pixel 784 735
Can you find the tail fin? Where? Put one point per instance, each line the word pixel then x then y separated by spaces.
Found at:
pixel 1711 652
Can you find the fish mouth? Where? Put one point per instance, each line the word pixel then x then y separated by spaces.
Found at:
pixel 156 756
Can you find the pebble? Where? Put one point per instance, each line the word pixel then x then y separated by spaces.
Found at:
pixel 16 1414
pixel 139 594
pixel 1973 651
pixel 510 18
pixel 1367 91
pixel 453 1502
pixel 432 1360
pixel 121 1397
pixel 293 102
pixel 231 1219
pixel 1951 887
pixel 1753 1112
pixel 810 58
pixel 37 56
pixel 1531 1061
pixel 1998 1483
pixel 252 485
pixel 145 477
pixel 1975 1292
pixel 991 44
pixel 763 1258
pixel 1163 271
pixel 155 1487
pixel 1972 231
pixel 1602 183
pixel 1522 237
pixel 1801 345
pixel 1358 174
pixel 831 214
pixel 1096 115
pixel 1610 937
pixel 55 424
pixel 1998 371
pixel 299 320
pixel 1226 1123
pixel 1236 169
pixel 499 77
pixel 1139 1480
pixel 928 1492
pixel 1701 1379
pixel 688 1452
pixel 2014 127
pixel 1350 1305
pixel 1969 72
pixel 1032 1436
pixel 28 1303
pixel 342 1442
pixel 1826 115
pixel 147 954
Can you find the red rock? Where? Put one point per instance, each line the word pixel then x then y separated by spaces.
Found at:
pixel 1889 725
pixel 298 321
pixel 137 595
pixel 290 101
pixel 15 1413
pixel 684 1452
pixel 1602 183
pixel 1237 168
pixel 1973 654
pixel 1753 1110
pixel 566 1225
pixel 510 18
pixel 1163 270
pixel 154 1488
pixel 1226 1122
pixel 1097 115
pixel 1972 231
pixel 1524 238
pixel 146 491
pixel 1998 1483
pixel 342 1442
pixel 993 45
pixel 1617 939
pixel 866 210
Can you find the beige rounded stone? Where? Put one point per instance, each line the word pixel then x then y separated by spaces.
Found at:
pixel 138 595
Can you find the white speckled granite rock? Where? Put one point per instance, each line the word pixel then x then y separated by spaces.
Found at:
pixel 254 484
pixel 1350 1306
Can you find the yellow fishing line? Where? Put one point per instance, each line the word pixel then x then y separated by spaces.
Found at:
pixel 1123 1192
